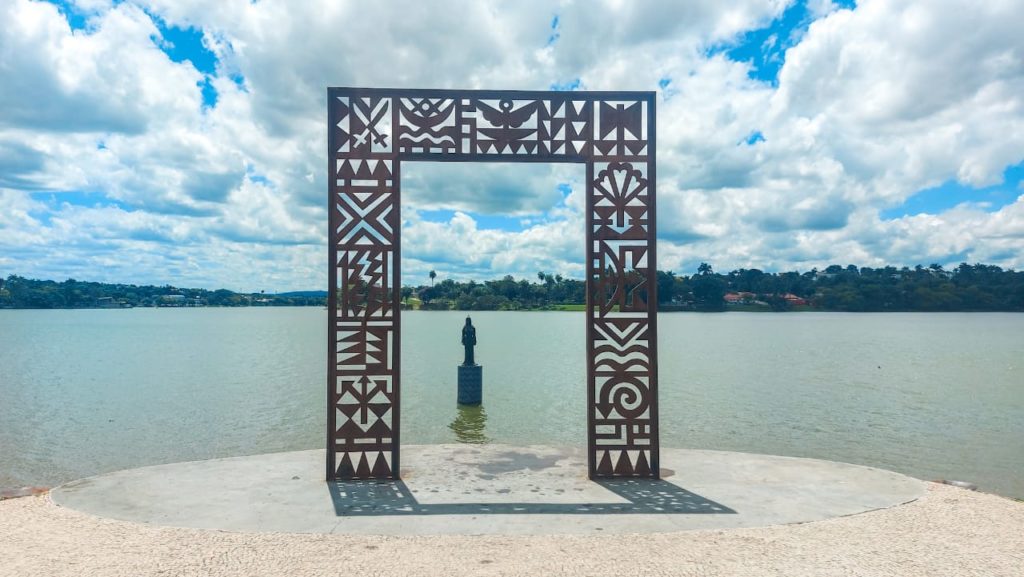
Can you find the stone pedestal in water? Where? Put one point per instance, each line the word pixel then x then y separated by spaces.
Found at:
pixel 471 384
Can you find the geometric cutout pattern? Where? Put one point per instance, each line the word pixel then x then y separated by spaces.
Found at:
pixel 371 132
pixel 621 310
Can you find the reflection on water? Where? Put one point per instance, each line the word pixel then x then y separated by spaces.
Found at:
pixel 469 424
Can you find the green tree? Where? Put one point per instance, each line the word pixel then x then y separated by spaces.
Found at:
pixel 708 292
pixel 666 286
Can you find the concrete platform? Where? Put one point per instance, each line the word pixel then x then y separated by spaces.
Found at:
pixel 488 489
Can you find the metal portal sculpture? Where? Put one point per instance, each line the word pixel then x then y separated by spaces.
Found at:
pixel 371 132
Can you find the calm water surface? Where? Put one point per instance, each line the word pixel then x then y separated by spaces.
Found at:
pixel 931 395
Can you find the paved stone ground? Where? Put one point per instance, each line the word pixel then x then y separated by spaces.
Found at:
pixel 492 489
pixel 948 532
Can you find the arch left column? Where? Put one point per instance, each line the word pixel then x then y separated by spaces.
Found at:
pixel 364 321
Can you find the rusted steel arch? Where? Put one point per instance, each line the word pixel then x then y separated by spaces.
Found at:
pixel 371 133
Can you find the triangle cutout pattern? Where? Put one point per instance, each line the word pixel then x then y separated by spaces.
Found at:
pixel 363 465
pixel 623 463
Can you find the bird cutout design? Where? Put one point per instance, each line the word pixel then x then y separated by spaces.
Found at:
pixel 506 122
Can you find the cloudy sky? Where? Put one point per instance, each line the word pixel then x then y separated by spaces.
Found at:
pixel 183 141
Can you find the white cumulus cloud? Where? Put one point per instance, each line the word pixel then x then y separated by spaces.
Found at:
pixel 113 165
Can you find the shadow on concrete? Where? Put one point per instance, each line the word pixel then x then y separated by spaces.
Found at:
pixel 644 496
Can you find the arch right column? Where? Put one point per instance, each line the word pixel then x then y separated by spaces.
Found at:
pixel 622 378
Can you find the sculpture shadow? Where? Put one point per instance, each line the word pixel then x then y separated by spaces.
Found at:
pixel 643 496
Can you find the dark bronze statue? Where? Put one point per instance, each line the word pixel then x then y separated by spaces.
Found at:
pixel 469 341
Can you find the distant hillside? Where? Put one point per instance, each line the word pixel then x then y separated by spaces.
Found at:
pixel 21 293
pixel 305 294
pixel 977 287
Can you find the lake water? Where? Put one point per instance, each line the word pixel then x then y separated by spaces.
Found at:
pixel 930 395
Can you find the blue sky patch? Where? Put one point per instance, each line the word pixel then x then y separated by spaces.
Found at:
pixel 186 44
pixel 501 222
pixel 667 90
pixel 252 175
pixel 754 138
pixel 555 34
pixel 209 92
pixel 567 86
pixel 765 48
pixel 181 44
pixel 54 200
pixel 73 14
pixel 239 81
pixel 951 193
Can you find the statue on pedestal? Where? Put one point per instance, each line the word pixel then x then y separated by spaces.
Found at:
pixel 469 341
pixel 471 375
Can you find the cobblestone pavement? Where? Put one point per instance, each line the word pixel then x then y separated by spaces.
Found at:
pixel 949 532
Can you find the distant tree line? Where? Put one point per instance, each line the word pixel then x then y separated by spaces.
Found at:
pixel 977 287
pixel 22 293
pixel 506 294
